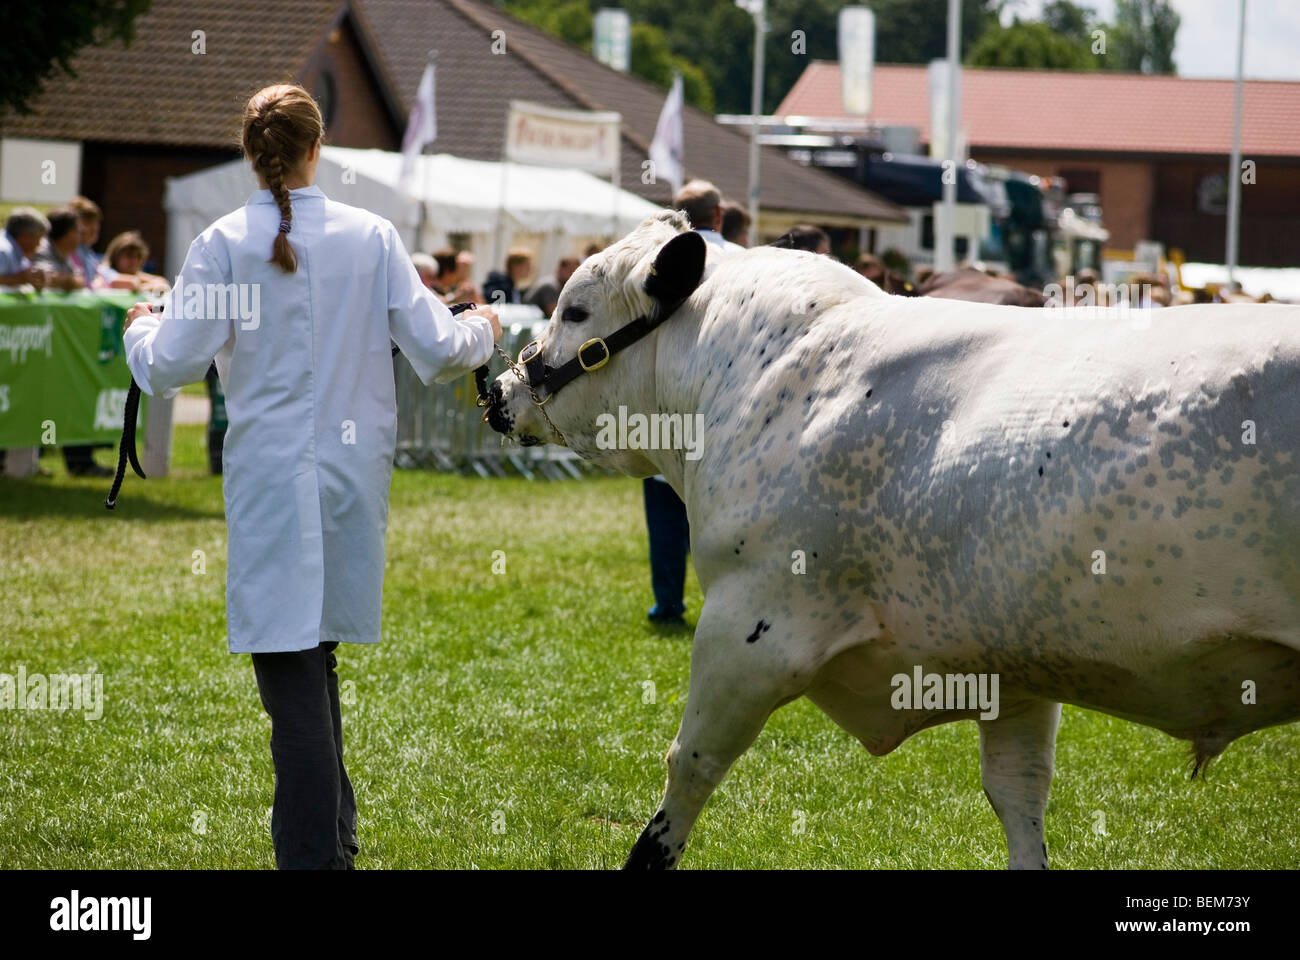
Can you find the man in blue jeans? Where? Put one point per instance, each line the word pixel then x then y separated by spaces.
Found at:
pixel 670 540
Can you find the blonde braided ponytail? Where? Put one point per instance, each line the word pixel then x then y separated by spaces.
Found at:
pixel 281 123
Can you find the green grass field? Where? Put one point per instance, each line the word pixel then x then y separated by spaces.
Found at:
pixel 502 721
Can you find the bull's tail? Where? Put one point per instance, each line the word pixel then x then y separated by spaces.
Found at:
pixel 1204 749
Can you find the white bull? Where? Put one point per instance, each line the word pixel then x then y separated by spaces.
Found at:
pixel 1088 507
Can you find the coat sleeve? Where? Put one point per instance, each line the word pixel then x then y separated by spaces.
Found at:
pixel 168 351
pixel 439 346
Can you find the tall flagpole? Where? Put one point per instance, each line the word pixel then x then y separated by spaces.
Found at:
pixel 1234 165
pixel 424 173
pixel 759 10
pixel 944 256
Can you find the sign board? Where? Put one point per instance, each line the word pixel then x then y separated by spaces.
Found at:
pixel 939 111
pixel 551 137
pixel 39 171
pixel 857 43
pixel 63 376
pixel 612 40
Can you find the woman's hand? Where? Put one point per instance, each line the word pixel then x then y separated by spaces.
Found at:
pixel 491 316
pixel 136 312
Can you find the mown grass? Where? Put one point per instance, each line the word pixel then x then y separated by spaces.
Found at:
pixel 503 721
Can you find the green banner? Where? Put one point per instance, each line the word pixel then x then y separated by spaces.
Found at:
pixel 63 376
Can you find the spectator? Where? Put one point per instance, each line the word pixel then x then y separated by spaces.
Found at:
pixel 592 250
pixel 123 263
pixel 454 285
pixel 510 285
pixel 89 219
pixel 735 224
pixel 869 266
pixel 22 237
pixel 665 514
pixel 54 255
pixel 444 262
pixel 547 292
pixel 427 267
pixel 702 204
pixel 804 236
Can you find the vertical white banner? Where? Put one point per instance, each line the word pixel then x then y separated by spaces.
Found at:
pixel 857 46
pixel 939 107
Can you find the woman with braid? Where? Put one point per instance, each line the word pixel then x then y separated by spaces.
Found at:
pixel 297 296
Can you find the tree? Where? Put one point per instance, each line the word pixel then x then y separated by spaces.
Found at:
pixel 40 39
pixel 1032 44
pixel 1070 20
pixel 652 60
pixel 716 38
pixel 916 31
pixel 651 57
pixel 1142 38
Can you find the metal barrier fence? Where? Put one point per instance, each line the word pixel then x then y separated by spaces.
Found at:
pixel 440 426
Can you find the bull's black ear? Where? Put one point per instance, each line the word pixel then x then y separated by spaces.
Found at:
pixel 677 269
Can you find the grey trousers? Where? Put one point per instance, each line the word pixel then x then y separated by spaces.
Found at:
pixel 314 814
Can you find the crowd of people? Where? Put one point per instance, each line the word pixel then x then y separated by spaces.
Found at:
pixel 56 251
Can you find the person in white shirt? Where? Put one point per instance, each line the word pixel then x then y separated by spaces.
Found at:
pixel 309 293
pixel 702 203
pixel 24 230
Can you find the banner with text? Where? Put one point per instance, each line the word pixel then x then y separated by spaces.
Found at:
pixel 63 377
pixel 551 137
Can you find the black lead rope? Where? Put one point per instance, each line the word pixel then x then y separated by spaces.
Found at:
pixel 126 448
pixel 481 373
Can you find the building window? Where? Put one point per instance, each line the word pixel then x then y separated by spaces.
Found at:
pixel 326 97
pixel 1082 181
pixel 1212 193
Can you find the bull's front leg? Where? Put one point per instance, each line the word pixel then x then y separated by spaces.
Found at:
pixel 1017 751
pixel 740 673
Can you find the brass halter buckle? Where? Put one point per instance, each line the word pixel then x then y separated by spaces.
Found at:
pixel 599 363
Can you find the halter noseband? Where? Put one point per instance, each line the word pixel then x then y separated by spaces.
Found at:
pixel 673 277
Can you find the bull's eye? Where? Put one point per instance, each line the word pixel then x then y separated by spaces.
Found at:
pixel 573 315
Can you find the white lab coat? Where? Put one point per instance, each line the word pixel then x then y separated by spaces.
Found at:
pixel 311 405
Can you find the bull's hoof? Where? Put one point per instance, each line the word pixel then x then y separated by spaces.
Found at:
pixel 650 852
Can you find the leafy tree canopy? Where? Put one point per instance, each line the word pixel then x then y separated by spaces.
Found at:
pixel 40 39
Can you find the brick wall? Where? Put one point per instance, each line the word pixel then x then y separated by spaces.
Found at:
pixel 358 117
pixel 1157 200
pixel 1127 189
pixel 128 180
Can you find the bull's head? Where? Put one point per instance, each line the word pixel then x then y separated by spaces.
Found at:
pixel 638 281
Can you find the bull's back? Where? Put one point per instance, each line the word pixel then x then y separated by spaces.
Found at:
pixel 1102 507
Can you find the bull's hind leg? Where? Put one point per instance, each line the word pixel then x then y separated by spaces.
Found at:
pixel 1017 750
pixel 736 683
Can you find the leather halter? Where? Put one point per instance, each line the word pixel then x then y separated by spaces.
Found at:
pixel 545 381
pixel 683 257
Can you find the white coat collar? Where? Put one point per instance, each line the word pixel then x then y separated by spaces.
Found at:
pixel 264 196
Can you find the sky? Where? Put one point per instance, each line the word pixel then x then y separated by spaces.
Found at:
pixel 1207 37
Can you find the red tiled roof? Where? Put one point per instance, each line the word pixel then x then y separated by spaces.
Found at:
pixel 156 91
pixel 473 98
pixel 1067 110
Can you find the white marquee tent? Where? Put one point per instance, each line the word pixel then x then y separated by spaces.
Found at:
pixel 554 211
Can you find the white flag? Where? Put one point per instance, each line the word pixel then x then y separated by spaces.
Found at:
pixel 422 127
pixel 666 150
